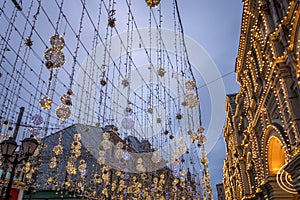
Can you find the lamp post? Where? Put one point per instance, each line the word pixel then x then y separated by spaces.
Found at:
pixel 8 148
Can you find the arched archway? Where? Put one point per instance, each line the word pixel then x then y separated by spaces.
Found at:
pixel 276 155
pixel 274 149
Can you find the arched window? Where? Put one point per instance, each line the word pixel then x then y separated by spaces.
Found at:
pixel 276 155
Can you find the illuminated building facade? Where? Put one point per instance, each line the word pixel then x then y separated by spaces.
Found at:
pixel 263 119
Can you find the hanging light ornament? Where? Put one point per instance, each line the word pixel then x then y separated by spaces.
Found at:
pixel 152 3
pixel 37 119
pixel 55 58
pixel 63 112
pixel 66 100
pixel 46 102
pixel 191 100
pixel 58 149
pixel 57 41
pixel 202 139
pixel 182 149
pixel 190 85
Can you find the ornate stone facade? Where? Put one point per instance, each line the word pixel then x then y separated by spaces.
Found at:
pixel 263 120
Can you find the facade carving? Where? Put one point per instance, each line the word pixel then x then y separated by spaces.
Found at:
pixel 262 127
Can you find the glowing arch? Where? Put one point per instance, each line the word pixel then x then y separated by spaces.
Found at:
pixel 276 155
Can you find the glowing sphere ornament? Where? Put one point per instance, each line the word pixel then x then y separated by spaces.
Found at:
pixel 58 149
pixel 54 58
pixel 46 102
pixel 190 85
pixel 192 100
pixel 63 112
pixel 37 119
pixel 57 41
pixel 202 139
pixel 182 149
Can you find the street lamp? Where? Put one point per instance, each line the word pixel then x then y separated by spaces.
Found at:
pixel 8 148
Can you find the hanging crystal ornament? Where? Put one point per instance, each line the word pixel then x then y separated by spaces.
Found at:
pixel 152 3
pixel 191 100
pixel 37 119
pixel 46 102
pixel 190 85
pixel 63 112
pixel 57 41
pixel 55 58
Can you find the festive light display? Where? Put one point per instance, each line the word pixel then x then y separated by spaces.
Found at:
pixel 261 130
pixel 108 128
